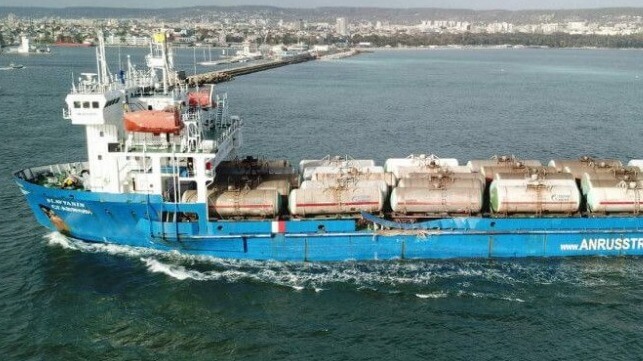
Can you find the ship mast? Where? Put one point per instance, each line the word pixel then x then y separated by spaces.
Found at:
pixel 101 62
pixel 160 58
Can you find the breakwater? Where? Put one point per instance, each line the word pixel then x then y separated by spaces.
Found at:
pixel 224 75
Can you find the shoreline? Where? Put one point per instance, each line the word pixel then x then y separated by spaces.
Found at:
pixel 392 48
pixel 487 47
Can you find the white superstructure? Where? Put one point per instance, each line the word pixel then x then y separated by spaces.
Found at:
pixel 147 132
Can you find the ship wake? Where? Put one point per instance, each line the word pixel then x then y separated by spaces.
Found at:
pixel 501 280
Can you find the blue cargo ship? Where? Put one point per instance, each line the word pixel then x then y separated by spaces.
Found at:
pixel 162 173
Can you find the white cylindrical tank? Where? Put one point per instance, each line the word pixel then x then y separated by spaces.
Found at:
pixel 360 176
pixel 418 162
pixel 282 186
pixel 264 203
pixel 604 171
pixel 253 166
pixel 490 171
pixel 335 162
pixel 408 171
pixel 470 180
pixel 506 161
pixel 267 181
pixel 608 196
pixel 636 163
pixel 584 164
pixel 242 203
pixel 310 172
pixel 319 201
pixel 537 197
pixel 190 196
pixel 254 162
pixel 436 200
pixel 549 179
pixel 346 183
pixel 614 174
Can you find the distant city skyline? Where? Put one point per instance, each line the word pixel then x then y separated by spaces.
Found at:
pixel 459 4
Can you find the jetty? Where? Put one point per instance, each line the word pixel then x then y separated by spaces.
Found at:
pixel 220 76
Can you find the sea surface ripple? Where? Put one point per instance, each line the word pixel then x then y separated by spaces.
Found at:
pixel 63 299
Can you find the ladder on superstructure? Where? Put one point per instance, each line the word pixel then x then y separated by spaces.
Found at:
pixel 193 132
pixel 221 115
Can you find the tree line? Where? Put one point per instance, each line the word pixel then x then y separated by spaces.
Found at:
pixel 555 40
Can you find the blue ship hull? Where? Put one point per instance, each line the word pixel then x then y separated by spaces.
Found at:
pixel 137 220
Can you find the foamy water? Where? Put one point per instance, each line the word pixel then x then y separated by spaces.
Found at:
pixel 427 280
pixel 68 300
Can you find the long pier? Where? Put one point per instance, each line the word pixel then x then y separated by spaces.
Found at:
pixel 224 75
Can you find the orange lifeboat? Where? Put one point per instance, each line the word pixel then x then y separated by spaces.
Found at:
pixel 153 121
pixel 201 98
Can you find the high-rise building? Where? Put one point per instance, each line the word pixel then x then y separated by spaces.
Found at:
pixel 222 39
pixel 341 27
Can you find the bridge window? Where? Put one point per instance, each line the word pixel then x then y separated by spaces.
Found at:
pixel 85 105
pixel 77 105
pixel 95 105
pixel 112 102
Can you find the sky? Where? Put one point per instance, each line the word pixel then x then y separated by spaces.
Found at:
pixel 461 4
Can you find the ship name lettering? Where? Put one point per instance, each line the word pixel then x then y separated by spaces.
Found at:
pixel 610 244
pixel 67 206
pixel 67 203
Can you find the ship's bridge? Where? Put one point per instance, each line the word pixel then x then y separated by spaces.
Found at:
pixel 92 103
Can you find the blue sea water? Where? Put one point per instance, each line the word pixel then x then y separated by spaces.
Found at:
pixel 67 300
